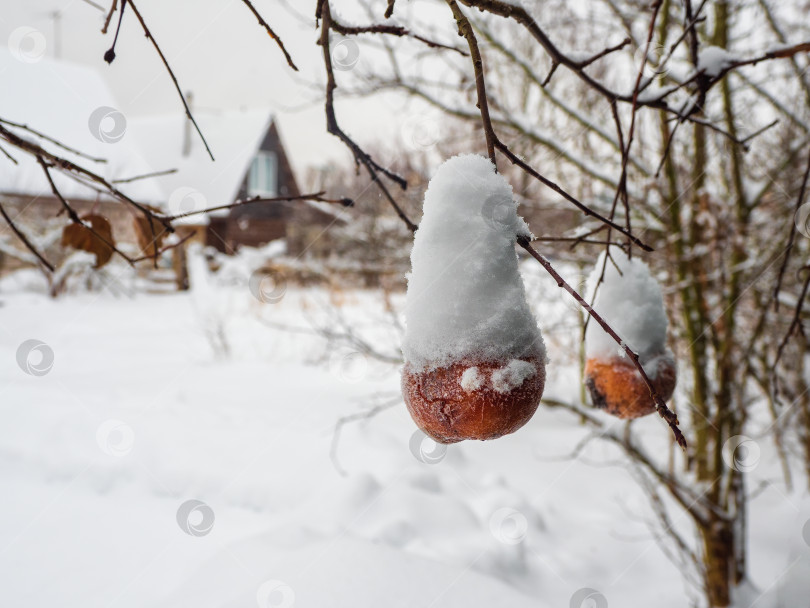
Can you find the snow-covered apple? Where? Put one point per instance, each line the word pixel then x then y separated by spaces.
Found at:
pixel 475 358
pixel 630 300
pixel 474 399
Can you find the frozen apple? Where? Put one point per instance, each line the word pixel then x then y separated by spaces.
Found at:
pixel 616 386
pixel 630 300
pixel 474 399
pixel 474 356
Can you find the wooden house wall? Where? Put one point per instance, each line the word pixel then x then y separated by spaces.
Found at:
pixel 31 214
pixel 251 225
pixel 257 225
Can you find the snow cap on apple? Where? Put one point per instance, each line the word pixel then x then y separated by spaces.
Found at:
pixel 465 294
pixel 475 358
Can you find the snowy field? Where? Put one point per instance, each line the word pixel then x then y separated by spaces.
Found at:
pixel 144 411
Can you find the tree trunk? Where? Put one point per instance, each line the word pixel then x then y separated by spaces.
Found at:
pixel 718 540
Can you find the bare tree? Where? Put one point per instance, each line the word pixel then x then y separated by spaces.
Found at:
pixel 675 127
pixel 690 162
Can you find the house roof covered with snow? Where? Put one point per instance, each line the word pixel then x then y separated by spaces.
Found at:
pixel 72 104
pixel 170 142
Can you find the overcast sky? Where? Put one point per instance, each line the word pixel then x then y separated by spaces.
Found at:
pixel 217 51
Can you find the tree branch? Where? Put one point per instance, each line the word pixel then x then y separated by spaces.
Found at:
pixel 661 407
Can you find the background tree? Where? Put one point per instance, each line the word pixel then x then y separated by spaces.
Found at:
pixel 703 184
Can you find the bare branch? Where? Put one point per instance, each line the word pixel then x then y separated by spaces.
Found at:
pixel 271 33
pixel 392 30
pixel 162 250
pixel 796 322
pixel 56 142
pixel 110 55
pixel 791 240
pixel 74 217
pixel 317 196
pixel 127 180
pixel 24 239
pixel 360 156
pixel 466 30
pixel 8 155
pixel 663 411
pixel 113 7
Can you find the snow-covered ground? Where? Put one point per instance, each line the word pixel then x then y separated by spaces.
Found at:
pixel 142 412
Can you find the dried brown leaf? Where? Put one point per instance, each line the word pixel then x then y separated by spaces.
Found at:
pixel 149 232
pixel 96 239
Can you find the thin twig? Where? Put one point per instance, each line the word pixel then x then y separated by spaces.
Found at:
pixel 162 250
pixel 74 217
pixel 604 53
pixel 107 20
pixel 621 191
pixel 56 142
pixel 517 12
pixel 360 156
pixel 317 196
pixel 663 411
pixel 94 5
pixel 8 155
pixel 344 420
pixel 24 239
pixel 271 33
pixel 127 180
pixel 109 54
pixel 796 321
pixel 76 172
pixel 791 237
pixel 466 31
pixel 391 30
pixel 581 206
pixel 171 74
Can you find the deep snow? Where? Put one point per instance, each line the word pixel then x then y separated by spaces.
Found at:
pixel 139 415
